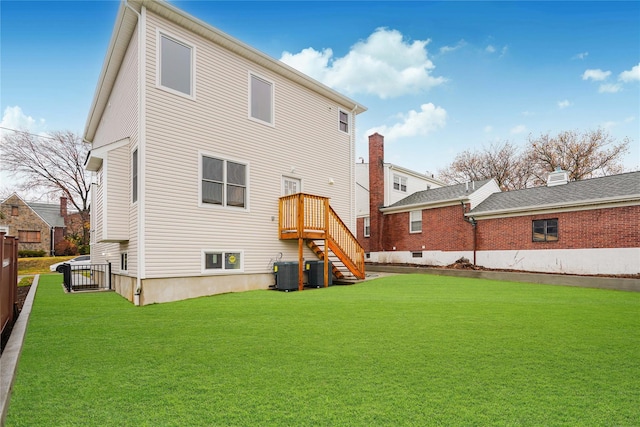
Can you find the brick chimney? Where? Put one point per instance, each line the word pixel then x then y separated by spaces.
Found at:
pixel 63 207
pixel 376 190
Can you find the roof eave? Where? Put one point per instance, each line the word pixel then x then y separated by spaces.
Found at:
pixel 532 209
pixel 427 205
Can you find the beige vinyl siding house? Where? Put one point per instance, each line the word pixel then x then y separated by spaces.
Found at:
pixel 219 131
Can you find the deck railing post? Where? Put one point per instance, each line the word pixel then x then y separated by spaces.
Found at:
pixel 109 274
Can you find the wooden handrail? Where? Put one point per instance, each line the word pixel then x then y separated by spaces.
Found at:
pixel 306 216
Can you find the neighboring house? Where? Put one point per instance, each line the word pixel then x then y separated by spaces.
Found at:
pixel 425 227
pixel 38 226
pixel 196 137
pixel 395 181
pixel 580 227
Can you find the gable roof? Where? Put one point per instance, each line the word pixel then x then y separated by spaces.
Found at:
pixel 608 189
pixel 126 24
pixel 450 193
pixel 50 213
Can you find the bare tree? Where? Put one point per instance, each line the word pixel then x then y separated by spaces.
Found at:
pixel 584 155
pixel 502 161
pixel 52 164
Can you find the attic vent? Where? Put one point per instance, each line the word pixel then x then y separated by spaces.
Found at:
pixel 557 177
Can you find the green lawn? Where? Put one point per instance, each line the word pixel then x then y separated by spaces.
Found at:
pixel 403 350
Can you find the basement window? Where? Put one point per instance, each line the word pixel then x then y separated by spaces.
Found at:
pixel 416 254
pixel 222 261
pixel 545 230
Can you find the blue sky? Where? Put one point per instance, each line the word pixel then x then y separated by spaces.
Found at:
pixel 437 77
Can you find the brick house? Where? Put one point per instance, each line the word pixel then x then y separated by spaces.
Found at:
pixel 396 182
pixel 38 226
pixel 581 227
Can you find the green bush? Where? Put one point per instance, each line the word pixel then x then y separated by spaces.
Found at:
pixel 84 249
pixel 29 253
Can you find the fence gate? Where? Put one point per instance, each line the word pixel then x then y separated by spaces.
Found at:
pixel 86 277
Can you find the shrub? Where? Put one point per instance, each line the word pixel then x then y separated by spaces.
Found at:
pixel 84 249
pixel 31 253
pixel 65 247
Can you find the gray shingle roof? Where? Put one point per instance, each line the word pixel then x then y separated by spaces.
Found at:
pixel 572 193
pixel 48 212
pixel 441 194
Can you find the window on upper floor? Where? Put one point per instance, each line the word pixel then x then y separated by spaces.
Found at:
pixel 400 183
pixel 367 226
pixel 260 99
pixel 545 230
pixel 29 236
pixel 14 211
pixel 415 221
pixel 343 121
pixel 175 65
pixel 223 182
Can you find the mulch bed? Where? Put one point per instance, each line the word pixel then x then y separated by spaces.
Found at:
pixel 23 291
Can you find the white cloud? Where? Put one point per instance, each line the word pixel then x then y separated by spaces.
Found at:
pixel 581 55
pixel 488 128
pixel 490 49
pixel 610 88
pixel 564 104
pixel 14 118
pixel 385 64
pixel 447 49
pixel 518 129
pixel 629 76
pixel 597 75
pixel 414 123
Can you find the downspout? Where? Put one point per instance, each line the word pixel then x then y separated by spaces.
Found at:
pixel 474 224
pixel 141 138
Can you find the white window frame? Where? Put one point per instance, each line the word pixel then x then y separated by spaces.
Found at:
pixel 162 33
pixel 272 123
pixel 366 225
pixel 290 178
pixel 224 205
pixel 348 123
pixel 402 181
pixel 135 177
pixel 5 229
pixel 124 262
pixel 412 221
pixel 221 270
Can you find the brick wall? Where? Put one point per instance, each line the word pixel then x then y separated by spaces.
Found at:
pixel 443 229
pixel 597 228
pixel 26 220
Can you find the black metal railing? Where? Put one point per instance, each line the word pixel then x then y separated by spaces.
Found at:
pixel 86 277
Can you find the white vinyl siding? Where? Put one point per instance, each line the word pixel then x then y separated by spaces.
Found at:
pixel 175 65
pixel 261 100
pixel 178 129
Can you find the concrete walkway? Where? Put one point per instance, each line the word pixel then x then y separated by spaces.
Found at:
pixel 11 353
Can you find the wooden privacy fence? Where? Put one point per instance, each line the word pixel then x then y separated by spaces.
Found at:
pixel 8 280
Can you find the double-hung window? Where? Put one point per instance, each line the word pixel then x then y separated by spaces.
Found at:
pixel 367 226
pixel 175 65
pixel 415 221
pixel 223 182
pixel 344 121
pixel 261 99
pixel 400 183
pixel 545 230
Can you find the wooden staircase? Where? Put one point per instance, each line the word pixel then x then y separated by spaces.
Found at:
pixel 311 219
